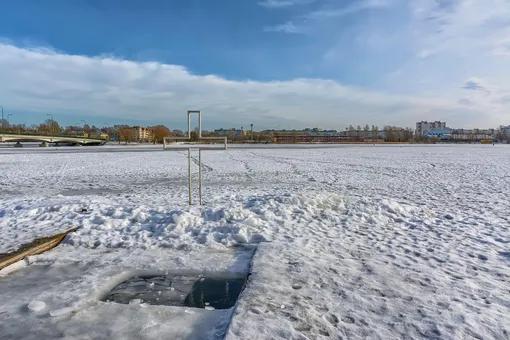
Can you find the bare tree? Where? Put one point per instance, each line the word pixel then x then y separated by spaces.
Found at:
pixel 231 135
pixel 49 127
pixel 160 132
pixel 127 134
pixel 375 132
pixel 366 132
pixel 352 131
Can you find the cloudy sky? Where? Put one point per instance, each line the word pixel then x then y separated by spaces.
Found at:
pixel 273 63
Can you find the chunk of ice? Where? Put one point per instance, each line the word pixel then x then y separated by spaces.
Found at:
pixel 36 306
pixel 61 311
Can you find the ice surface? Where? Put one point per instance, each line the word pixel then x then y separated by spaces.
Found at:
pixel 355 242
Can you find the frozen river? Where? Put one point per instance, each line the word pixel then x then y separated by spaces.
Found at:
pixel 353 241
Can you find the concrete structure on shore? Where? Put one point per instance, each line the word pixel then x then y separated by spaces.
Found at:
pixel 19 138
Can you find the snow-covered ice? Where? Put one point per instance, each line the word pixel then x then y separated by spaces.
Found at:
pixel 353 242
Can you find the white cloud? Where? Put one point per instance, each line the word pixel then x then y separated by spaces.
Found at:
pixel 475 84
pixel 71 85
pixel 287 27
pixel 462 25
pixel 330 11
pixel 283 3
pixel 417 48
pixel 327 11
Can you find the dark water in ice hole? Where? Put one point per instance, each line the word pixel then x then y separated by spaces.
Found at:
pixel 185 291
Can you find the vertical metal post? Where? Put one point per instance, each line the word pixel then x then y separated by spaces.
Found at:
pixel 199 148
pixel 189 125
pixel 199 125
pixel 189 177
pixel 200 175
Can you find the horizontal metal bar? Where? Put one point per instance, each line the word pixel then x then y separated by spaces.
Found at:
pixel 193 148
pixel 170 146
pixel 176 138
pixel 201 138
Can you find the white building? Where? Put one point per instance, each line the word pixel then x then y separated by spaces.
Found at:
pixel 423 127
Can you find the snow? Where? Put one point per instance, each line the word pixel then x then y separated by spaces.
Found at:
pixel 352 242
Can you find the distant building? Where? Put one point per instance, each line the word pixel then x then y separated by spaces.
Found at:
pixel 423 127
pixel 466 135
pixel 307 132
pixel 230 133
pixel 140 134
pixel 440 133
pixel 144 134
pixel 99 135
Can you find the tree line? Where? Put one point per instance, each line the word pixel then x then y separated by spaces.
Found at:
pixel 121 132
pixel 388 133
pixel 125 133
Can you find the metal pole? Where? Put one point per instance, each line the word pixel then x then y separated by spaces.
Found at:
pixel 200 175
pixel 2 118
pixel 199 125
pixel 189 125
pixel 189 177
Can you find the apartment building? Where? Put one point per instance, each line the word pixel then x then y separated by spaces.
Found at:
pixel 423 127
pixel 137 134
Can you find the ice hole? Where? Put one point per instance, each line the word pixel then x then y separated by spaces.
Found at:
pixel 179 290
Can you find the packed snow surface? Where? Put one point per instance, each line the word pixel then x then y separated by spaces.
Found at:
pixel 354 242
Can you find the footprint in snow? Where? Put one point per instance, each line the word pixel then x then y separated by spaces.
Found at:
pixel 483 257
pixel 348 319
pixel 332 319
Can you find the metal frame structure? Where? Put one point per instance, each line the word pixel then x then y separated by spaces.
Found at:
pixel 194 146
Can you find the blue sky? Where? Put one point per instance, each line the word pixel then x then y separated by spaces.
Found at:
pixel 288 63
